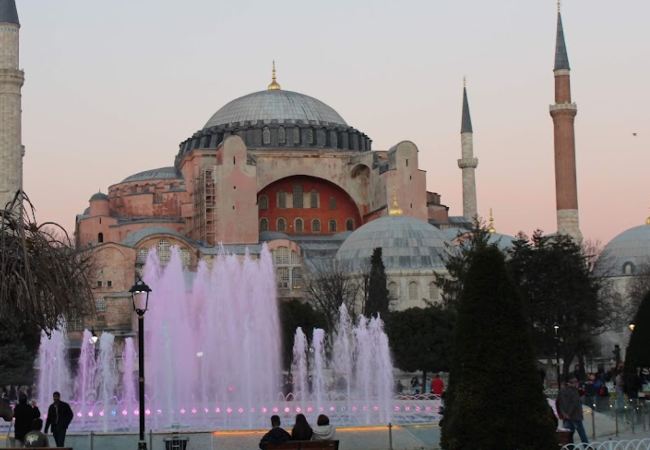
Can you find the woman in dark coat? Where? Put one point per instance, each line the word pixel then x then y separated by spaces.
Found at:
pixel 24 413
pixel 301 430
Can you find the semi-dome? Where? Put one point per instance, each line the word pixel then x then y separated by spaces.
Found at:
pixel 627 251
pixel 406 243
pixel 99 196
pixel 155 174
pixel 275 105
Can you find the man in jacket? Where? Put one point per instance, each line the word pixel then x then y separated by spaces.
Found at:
pixel 569 409
pixel 59 416
pixel 24 415
pixel 276 435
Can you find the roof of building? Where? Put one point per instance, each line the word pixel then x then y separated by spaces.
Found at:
pixel 406 243
pixel 466 124
pixel 630 247
pixel 132 239
pixel 155 174
pixel 99 196
pixel 275 104
pixel 561 56
pixel 8 12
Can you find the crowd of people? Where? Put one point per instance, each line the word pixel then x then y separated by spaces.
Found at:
pixel 28 423
pixel 302 431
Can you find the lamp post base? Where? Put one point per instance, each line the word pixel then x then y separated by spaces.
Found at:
pixel 142 445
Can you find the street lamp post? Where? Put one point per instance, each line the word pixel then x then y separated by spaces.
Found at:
pixel 556 327
pixel 141 288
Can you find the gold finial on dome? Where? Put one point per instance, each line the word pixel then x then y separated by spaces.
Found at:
pixel 274 86
pixel 464 81
pixel 491 228
pixel 395 210
pixel 559 5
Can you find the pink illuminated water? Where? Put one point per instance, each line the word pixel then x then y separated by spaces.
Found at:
pixel 212 360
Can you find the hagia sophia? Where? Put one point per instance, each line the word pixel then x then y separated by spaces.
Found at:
pixel 284 169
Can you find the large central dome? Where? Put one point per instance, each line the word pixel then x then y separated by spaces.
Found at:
pixel 277 105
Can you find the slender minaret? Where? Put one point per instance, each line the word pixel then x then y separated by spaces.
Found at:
pixel 11 82
pixel 468 163
pixel 564 113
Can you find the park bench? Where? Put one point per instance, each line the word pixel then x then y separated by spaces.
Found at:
pixel 37 448
pixel 304 445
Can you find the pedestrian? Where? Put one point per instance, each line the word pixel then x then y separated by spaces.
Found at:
pixel 24 415
pixel 276 435
pixel 437 385
pixel 59 416
pixel 301 430
pixel 569 409
pixel 36 438
pixel 323 431
pixel 619 381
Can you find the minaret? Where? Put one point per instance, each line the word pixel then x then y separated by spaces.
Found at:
pixel 11 82
pixel 564 113
pixel 468 163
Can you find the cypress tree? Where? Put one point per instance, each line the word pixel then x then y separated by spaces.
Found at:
pixel 378 296
pixel 495 399
pixel 637 354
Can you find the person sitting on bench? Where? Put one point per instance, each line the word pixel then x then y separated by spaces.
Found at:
pixel 323 431
pixel 36 438
pixel 276 435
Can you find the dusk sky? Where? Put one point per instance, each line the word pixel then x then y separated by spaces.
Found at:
pixel 112 88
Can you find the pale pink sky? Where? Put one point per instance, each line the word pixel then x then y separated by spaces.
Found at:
pixel 112 88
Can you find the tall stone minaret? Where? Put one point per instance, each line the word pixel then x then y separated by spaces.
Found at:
pixel 564 113
pixel 11 82
pixel 468 163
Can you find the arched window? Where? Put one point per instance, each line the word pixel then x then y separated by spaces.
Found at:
pixel 433 292
pixel 315 226
pixel 100 237
pixel 282 199
pixel 310 136
pixel 413 290
pixel 185 257
pixel 297 196
pixel 349 225
pixel 313 198
pixel 264 202
pixel 142 256
pixel 288 269
pixel 266 136
pixel 392 290
pixel 264 224
pixel 164 251
pixel 332 202
pixel 296 135
pixel 332 225
pixel 299 226
pixel 281 135
pixel 100 305
pixel 628 268
pixel 282 225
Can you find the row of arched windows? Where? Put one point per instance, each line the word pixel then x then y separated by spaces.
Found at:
pixel 282 135
pixel 414 291
pixel 164 254
pixel 299 199
pixel 288 270
pixel 299 225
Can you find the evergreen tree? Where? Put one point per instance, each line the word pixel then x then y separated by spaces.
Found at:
pixel 495 399
pixel 420 338
pixel 294 314
pixel 637 354
pixel 378 295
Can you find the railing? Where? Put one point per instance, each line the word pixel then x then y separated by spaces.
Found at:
pixel 634 444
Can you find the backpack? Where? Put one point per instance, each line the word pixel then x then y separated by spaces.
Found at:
pixel 603 392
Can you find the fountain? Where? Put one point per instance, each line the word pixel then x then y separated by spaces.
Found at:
pixel 213 359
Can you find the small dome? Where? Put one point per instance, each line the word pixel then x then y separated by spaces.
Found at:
pixel 99 196
pixel 155 174
pixel 274 104
pixel 627 251
pixel 406 243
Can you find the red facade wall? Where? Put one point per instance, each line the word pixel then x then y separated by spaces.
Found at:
pixel 345 208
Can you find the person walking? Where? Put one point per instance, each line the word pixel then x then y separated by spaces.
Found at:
pixel 59 416
pixel 619 381
pixel 437 385
pixel 569 409
pixel 24 415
